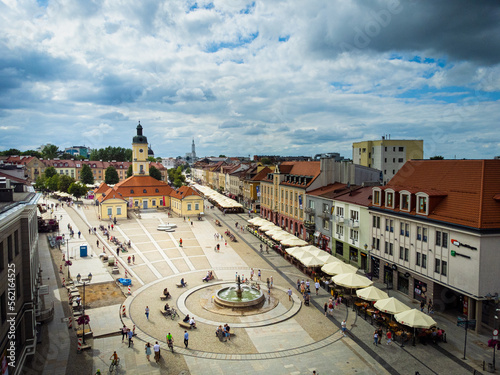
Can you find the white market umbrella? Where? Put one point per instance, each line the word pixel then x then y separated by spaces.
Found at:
pixel 276 230
pixel 338 268
pixel 293 242
pixel 352 280
pixel 268 226
pixel 371 293
pixel 327 258
pixel 415 318
pixel 292 250
pixel 281 236
pixel 391 306
pixel 310 260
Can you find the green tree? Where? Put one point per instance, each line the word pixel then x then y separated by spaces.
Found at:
pixel 111 176
pixel 155 173
pixel 50 152
pixel 40 182
pixel 86 176
pixel 158 159
pixel 52 183
pixel 66 156
pixel 77 189
pixel 437 157
pixel 151 159
pixel 32 153
pixel 265 161
pixel 10 152
pixel 222 156
pixel 111 153
pixel 129 171
pixel 64 182
pixel 49 172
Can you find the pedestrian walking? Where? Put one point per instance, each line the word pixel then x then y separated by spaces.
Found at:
pixel 90 231
pixel 272 282
pixel 429 307
pixel 124 332
pixel 298 285
pixel 180 242
pixel 268 283
pixel 267 249
pixel 269 295
pixel 148 351
pixel 259 274
pixel 343 325
pixel 112 227
pixel 133 259
pixel 422 305
pixel 130 334
pixel 251 274
pixel 217 247
pixel 316 285
pixel 389 337
pixel 147 312
pixel 186 339
pixel 375 338
pixel 97 243
pixel 117 251
pixel 326 308
pixel 79 234
pixel 129 259
pixel 261 248
pixel 156 349
pixel 330 307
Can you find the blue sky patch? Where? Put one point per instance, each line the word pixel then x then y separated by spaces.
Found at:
pixel 451 94
pixel 284 38
pixel 214 47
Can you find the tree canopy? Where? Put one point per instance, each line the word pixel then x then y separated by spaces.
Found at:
pixel 49 172
pixel 129 171
pixel 86 176
pixel 155 173
pixel 50 152
pixel 176 177
pixel 437 157
pixel 111 153
pixel 64 183
pixel 77 189
pixel 111 176
pixel 52 183
pixel 10 152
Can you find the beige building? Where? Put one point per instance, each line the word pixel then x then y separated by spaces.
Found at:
pixel 387 155
pixel 186 202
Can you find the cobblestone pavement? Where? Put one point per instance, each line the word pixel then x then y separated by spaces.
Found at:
pixel 289 338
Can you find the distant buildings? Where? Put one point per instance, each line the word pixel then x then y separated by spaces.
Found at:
pixel 387 155
pixel 78 150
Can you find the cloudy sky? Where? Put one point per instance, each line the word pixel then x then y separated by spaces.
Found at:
pixel 251 77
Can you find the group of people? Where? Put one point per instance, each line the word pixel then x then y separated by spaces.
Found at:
pixel 156 350
pixel 190 321
pixel 209 277
pixel 128 333
pixel 223 333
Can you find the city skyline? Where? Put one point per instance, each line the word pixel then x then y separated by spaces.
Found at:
pixel 251 77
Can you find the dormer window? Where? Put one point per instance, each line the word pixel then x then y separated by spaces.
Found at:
pixel 390 199
pixel 405 202
pixel 376 197
pixel 157 191
pixel 144 191
pixel 131 191
pixel 422 204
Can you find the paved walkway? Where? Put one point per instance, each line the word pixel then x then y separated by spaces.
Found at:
pixel 304 341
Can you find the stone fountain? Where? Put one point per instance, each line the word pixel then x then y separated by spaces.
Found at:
pixel 239 297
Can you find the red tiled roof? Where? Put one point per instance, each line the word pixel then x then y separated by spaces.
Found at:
pixel 328 191
pixel 361 196
pixel 262 174
pixel 183 191
pixel 111 194
pixel 16 179
pixel 103 187
pixel 470 186
pixel 138 184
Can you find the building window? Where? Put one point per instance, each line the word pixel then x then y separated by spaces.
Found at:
pixel 118 210
pixel 311 204
pixel 422 205
pixel 153 203
pixel 340 230
pixel 401 252
pixel 445 240
pixel 376 197
pixel 424 234
pixel 110 211
pixel 417 262
pixel 438 238
pixel 136 203
pixel 444 268
pixel 386 247
pixel 196 206
pixel 16 242
pixel 157 191
pixel 401 149
pixel 131 191
pixel 402 230
pixel 437 265
pixel 400 160
pixel 407 230
pixel 326 224
pixel 376 222
pixel 424 261
pixel 144 191
pixel 9 249
pixel 354 215
pixel 391 248
pixel 407 252
pixel 340 211
pixel 325 208
pixel 354 235
pixel 419 233
pixel 189 206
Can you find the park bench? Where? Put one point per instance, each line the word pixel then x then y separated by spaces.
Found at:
pixel 180 285
pixel 163 297
pixel 185 325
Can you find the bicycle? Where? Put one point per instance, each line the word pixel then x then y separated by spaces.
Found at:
pixel 114 364
pixel 173 314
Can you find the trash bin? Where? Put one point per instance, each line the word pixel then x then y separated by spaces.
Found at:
pixel 490 367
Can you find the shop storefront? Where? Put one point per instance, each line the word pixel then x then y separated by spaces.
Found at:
pixel 364 261
pixel 375 268
pixel 388 275
pixel 353 254
pixel 339 248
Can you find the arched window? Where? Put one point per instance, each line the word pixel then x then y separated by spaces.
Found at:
pixel 131 191
pixel 144 191
pixel 157 191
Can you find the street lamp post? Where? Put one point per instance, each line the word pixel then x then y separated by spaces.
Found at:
pixel 67 254
pixel 85 281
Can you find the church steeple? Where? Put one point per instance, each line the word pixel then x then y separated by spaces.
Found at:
pixel 193 152
pixel 140 164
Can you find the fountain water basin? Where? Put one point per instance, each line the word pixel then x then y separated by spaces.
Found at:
pixel 239 298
